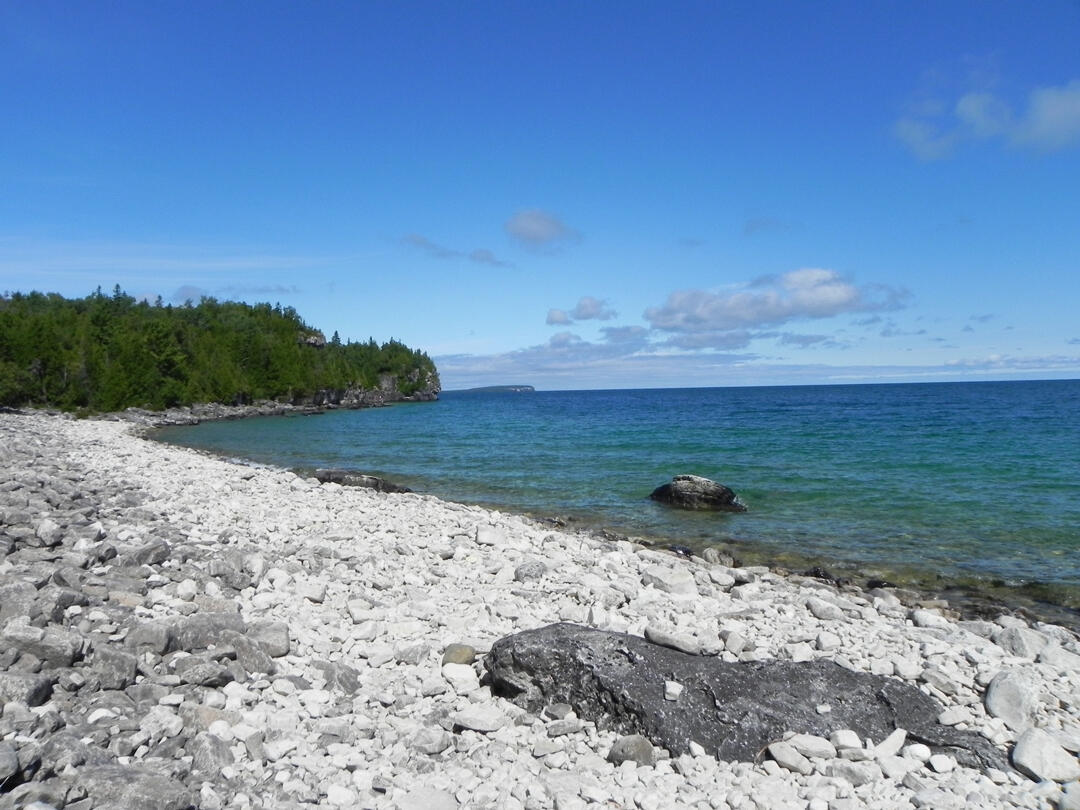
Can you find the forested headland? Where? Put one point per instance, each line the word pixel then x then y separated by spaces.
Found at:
pixel 109 352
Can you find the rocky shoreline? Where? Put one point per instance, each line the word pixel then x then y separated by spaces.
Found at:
pixel 180 631
pixel 217 411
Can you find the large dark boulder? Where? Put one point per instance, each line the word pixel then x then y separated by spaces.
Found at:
pixel 734 710
pixel 695 492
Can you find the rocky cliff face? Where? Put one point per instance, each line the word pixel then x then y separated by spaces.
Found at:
pixel 422 387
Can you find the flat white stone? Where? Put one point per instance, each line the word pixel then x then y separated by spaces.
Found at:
pixel 918 752
pixel 891 745
pixel 1070 797
pixel 672 690
pixel 98 715
pixel 1056 656
pixel 462 677
pixel 677 641
pixel 490 536
pixel 941 763
pixel 827 642
pixel 1023 642
pixel 928 618
pixel 481 718
pixel 895 767
pixel 1039 756
pixel 186 589
pixel 276 749
pixel 674 580
pixel 340 796
pixel 313 590
pixel 813 746
pixel 857 773
pixel 823 610
pixel 1012 697
pixel 845 738
pixel 787 757
pixel 425 798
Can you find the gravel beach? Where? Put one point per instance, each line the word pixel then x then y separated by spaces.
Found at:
pixel 177 630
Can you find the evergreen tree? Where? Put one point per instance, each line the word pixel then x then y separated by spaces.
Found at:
pixel 108 352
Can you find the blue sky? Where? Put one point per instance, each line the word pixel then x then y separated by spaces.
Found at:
pixel 572 195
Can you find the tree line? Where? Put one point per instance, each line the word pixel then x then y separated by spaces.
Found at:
pixel 109 352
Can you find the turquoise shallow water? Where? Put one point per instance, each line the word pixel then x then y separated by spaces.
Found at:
pixel 938 484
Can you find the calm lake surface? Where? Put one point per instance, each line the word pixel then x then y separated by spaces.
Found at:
pixel 952 484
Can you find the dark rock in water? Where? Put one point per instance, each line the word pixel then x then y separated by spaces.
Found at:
pixel 695 492
pixel 873 584
pixel 824 574
pixel 734 710
pixel 354 479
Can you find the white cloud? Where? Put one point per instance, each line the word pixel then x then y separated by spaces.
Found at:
pixel 1006 362
pixel 558 317
pixel 722 341
pixel 625 334
pixel 1050 121
pixel 799 294
pixel 924 138
pixel 805 341
pixel 437 251
pixel 540 230
pixel 984 114
pixel 188 292
pixel 589 308
pixel 260 289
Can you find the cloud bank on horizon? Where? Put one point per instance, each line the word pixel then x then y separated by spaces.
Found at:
pixel 681 195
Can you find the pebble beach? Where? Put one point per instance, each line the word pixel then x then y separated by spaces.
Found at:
pixel 178 630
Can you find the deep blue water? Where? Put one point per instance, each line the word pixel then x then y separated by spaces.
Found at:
pixel 942 483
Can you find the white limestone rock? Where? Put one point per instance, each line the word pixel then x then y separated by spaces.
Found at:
pixel 857 773
pixel 845 740
pixel 812 746
pixel 1039 756
pixel 482 718
pixel 675 580
pixel 891 745
pixel 787 757
pixel 826 611
pixel 1023 642
pixel 1012 697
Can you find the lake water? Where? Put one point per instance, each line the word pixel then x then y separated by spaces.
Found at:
pixel 939 485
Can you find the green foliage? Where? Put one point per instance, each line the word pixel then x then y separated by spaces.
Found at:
pixel 109 352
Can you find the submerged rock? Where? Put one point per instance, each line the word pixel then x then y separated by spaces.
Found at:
pixel 733 710
pixel 348 478
pixel 695 492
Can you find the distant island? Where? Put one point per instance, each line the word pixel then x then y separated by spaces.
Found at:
pixel 500 389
